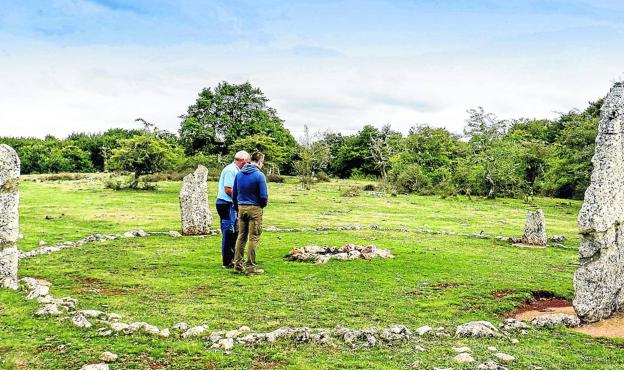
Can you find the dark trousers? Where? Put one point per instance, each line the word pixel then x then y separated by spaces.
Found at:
pixel 229 230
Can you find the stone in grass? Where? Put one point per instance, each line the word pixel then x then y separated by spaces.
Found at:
pixel 535 229
pixel 225 344
pixel 195 331
pixel 95 367
pixel 92 314
pixel 48 310
pixel 513 325
pixel 80 321
pixel 477 329
pixel 462 349
pixel 492 349
pixel 108 357
pixel 463 358
pixel 491 365
pixel 181 326
pixel 554 319
pixel 119 326
pixel 504 357
pixel 424 330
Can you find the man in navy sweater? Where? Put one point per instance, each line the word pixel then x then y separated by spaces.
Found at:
pixel 250 196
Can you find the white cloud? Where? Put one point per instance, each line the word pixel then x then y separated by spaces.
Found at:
pixel 50 89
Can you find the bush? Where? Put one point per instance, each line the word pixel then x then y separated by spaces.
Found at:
pixel 322 177
pixel 275 178
pixel 352 191
pixel 370 187
pixel 118 183
pixel 410 179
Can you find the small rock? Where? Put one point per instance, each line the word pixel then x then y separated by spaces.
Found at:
pixel 491 365
pixel 92 314
pixel 108 357
pixel 477 329
pixel 514 341
pixel 462 349
pixel 195 331
pixel 424 330
pixel 504 357
pixel 165 333
pixel 119 326
pixel 513 324
pixel 48 310
pixel 553 319
pixel 174 234
pixel 81 321
pixel 104 332
pixel 114 317
pixel 95 367
pixel 463 358
pixel 225 344
pixel 181 326
pixel 492 349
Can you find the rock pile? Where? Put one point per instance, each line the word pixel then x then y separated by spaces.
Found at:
pixel 48 249
pixel 9 217
pixel 535 229
pixel 322 254
pixel 599 280
pixel 196 215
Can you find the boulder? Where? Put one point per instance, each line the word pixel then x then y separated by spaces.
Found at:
pixel 553 319
pixel 9 217
pixel 535 229
pixel 477 329
pixel 196 215
pixel 599 280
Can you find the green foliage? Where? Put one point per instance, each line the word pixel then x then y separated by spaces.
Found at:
pixel 227 113
pixel 143 155
pixel 276 156
pixel 312 158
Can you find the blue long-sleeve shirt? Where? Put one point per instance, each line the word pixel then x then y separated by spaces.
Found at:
pixel 250 187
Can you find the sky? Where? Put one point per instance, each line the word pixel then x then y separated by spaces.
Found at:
pixel 89 65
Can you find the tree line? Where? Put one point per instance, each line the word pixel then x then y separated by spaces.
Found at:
pixel 494 157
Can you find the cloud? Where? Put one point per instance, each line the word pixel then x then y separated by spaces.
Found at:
pixel 315 52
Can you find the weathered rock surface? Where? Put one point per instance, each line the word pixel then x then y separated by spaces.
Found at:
pixel 108 357
pixel 599 280
pixel 196 216
pixel 535 229
pixel 477 329
pixel 553 319
pixel 9 217
pixel 322 254
pixel 463 358
pixel 95 367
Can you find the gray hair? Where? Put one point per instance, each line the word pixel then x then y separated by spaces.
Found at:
pixel 242 155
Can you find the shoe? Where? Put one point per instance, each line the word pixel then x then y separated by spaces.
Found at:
pixel 254 271
pixel 239 269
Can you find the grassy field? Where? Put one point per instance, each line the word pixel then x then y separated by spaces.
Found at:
pixel 437 280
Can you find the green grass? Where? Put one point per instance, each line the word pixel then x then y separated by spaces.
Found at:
pixel 436 280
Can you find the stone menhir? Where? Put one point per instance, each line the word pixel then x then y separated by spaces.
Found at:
pixel 9 217
pixel 599 280
pixel 196 216
pixel 535 229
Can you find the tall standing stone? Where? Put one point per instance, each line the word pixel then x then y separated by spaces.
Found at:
pixel 535 229
pixel 196 216
pixel 9 217
pixel 599 280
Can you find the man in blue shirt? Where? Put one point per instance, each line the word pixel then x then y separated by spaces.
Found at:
pixel 250 196
pixel 225 207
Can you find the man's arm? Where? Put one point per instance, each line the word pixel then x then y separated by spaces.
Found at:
pixel 235 194
pixel 263 196
pixel 228 183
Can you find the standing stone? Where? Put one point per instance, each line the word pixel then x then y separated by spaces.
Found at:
pixel 196 216
pixel 9 218
pixel 535 229
pixel 599 280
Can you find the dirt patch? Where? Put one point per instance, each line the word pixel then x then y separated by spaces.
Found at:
pixel 542 302
pixel 612 327
pixel 97 286
pixel 500 294
pixel 90 281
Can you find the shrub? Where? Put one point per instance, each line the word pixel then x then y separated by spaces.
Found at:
pixel 322 177
pixel 370 187
pixel 352 191
pixel 275 178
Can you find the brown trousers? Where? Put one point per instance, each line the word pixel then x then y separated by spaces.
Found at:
pixel 249 227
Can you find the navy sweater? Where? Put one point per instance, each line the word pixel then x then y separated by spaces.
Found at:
pixel 250 188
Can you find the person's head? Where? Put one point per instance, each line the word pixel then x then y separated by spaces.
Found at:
pixel 241 158
pixel 258 159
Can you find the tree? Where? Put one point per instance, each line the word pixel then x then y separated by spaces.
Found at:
pixel 313 156
pixel 275 156
pixel 381 151
pixel 142 155
pixel 222 115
